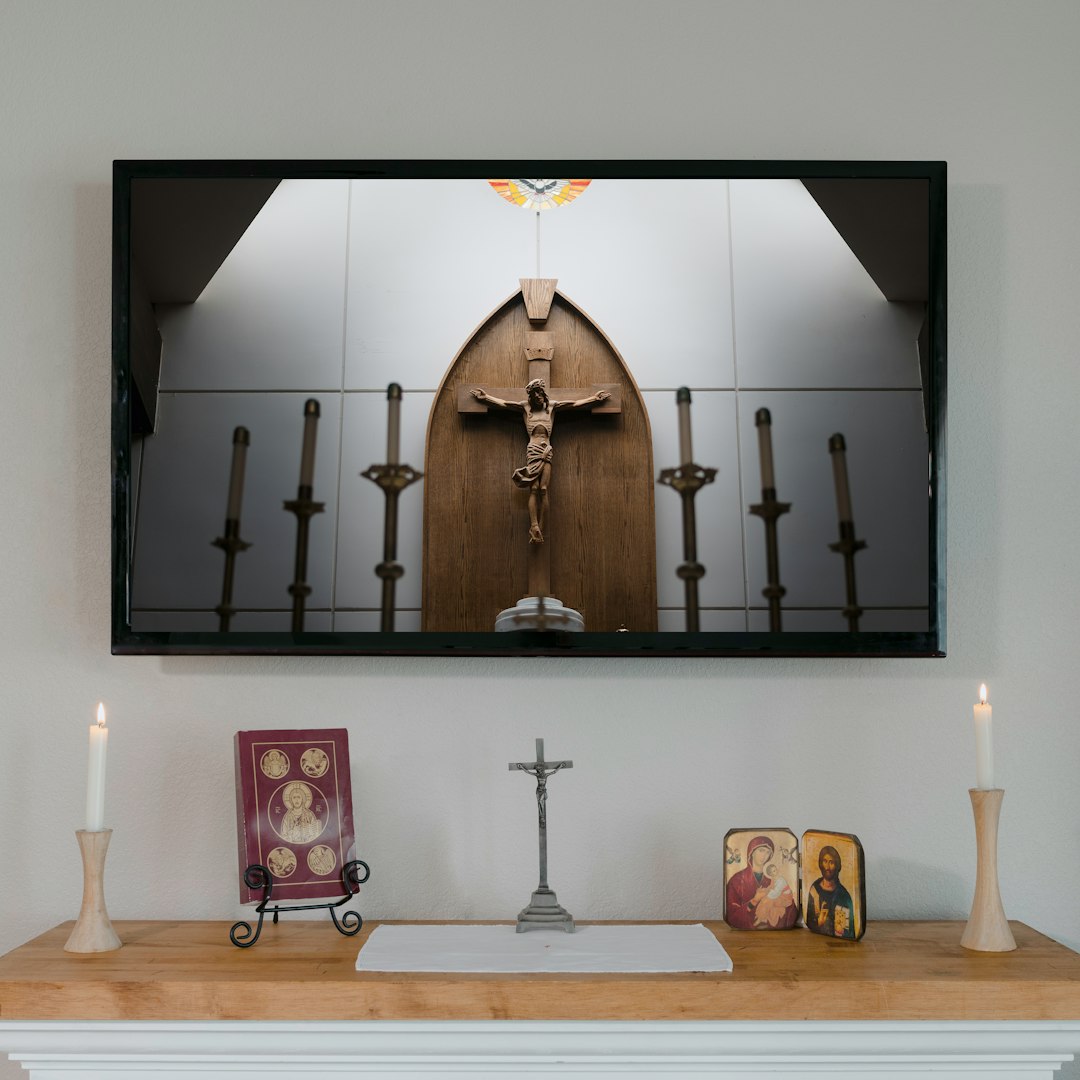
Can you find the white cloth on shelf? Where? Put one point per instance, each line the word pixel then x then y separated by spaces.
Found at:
pixel 625 948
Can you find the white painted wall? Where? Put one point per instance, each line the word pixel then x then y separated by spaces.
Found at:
pixel 668 754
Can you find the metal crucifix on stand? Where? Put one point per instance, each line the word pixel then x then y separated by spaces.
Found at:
pixel 543 909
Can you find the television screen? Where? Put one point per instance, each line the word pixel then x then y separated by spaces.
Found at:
pixel 667 408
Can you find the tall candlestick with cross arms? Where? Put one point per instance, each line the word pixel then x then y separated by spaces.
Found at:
pixel 544 909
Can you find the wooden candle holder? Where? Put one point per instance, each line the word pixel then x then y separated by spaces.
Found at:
pixel 93 932
pixel 987 929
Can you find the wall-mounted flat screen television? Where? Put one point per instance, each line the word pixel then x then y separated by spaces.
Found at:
pixel 627 408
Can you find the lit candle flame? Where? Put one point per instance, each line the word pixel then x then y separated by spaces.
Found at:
pixel 100 714
pixel 982 694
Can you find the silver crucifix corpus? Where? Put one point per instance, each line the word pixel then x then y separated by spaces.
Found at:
pixel 544 909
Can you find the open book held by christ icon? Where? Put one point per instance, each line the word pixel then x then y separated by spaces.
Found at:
pixel 543 909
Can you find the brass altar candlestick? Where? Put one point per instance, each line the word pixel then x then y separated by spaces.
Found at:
pixel 987 929
pixel 304 507
pixel 231 543
pixel 847 545
pixel 769 510
pixel 688 479
pixel 393 478
pixel 93 931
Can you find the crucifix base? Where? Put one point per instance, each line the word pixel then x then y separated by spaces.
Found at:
pixel 545 912
pixel 540 613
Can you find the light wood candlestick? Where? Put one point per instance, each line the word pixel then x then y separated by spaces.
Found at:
pixel 987 929
pixel 93 931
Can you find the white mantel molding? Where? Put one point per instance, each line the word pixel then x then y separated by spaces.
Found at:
pixel 381 1050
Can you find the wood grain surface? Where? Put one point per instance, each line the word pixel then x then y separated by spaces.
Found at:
pixel 93 932
pixel 987 929
pixel 306 971
pixel 538 294
pixel 601 523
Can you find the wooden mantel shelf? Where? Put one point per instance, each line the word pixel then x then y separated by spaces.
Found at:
pixel 304 971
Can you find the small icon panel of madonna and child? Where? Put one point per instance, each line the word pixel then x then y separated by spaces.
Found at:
pixel 761 879
pixel 298 812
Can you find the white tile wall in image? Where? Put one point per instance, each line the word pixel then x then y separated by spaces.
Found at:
pixel 369 622
pixel 429 260
pixel 833 621
pixel 363 505
pixel 185 480
pixel 710 620
pixel 649 262
pixel 806 312
pixel 886 458
pixel 719 528
pixel 244 622
pixel 272 317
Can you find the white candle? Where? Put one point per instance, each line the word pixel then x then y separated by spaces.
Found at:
pixel 686 450
pixel 95 773
pixel 984 743
pixel 393 427
pixel 840 477
pixel 241 439
pixel 307 456
pixel 763 420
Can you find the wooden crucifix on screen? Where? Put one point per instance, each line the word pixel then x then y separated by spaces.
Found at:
pixel 538 405
pixel 568 515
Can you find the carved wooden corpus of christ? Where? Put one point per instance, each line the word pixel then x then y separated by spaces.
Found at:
pixel 538 405
pixel 587 536
pixel 539 411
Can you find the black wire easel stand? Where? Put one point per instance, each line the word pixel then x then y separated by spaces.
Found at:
pixel 258 876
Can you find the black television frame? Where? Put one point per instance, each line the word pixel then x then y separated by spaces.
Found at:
pixel 125 640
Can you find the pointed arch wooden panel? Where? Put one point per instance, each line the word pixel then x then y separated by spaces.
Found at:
pixel 600 533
